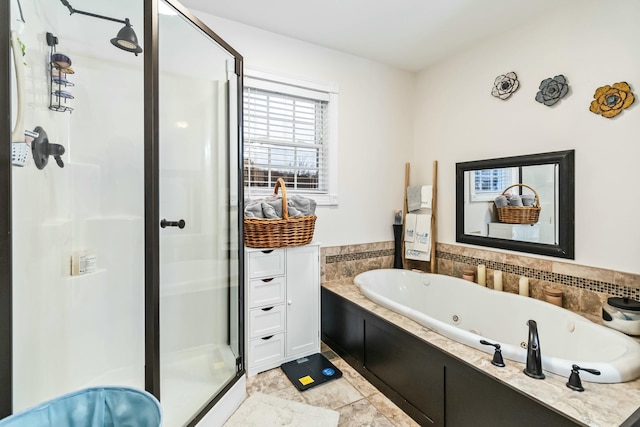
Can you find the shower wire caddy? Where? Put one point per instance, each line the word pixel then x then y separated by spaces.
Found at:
pixel 57 84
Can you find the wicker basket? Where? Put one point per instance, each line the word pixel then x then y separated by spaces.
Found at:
pixel 520 214
pixel 279 232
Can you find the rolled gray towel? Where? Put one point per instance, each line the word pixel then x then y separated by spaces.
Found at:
pixel 515 200
pixel 254 210
pixel 501 202
pixel 528 199
pixel 293 212
pixel 276 204
pixel 304 205
pixel 268 211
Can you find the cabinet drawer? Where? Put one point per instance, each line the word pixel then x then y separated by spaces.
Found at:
pixel 266 321
pixel 266 350
pixel 267 263
pixel 263 292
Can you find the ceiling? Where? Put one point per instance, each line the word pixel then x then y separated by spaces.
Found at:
pixel 407 34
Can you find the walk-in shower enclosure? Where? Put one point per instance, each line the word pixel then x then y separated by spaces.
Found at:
pixel 120 260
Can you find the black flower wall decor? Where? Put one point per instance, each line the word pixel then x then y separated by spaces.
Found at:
pixel 552 90
pixel 609 101
pixel 505 85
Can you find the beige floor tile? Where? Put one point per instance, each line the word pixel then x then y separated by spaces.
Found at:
pixel 289 393
pixel 358 402
pixel 332 395
pixel 268 381
pixel 360 414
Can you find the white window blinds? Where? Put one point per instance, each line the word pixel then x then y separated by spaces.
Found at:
pixel 487 184
pixel 492 180
pixel 285 136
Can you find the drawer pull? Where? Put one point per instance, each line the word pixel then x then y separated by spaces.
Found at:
pixel 268 338
pixel 267 309
pixel 268 251
pixel 267 280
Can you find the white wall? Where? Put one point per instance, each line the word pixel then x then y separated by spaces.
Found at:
pixel 375 127
pixel 456 119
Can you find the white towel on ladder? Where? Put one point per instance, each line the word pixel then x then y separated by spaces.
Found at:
pixel 420 248
pixel 409 227
pixel 426 196
pixel 411 253
pixel 422 240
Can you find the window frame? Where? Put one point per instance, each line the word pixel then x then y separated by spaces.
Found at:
pixel 266 80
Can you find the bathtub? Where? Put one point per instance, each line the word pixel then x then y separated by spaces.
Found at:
pixel 466 312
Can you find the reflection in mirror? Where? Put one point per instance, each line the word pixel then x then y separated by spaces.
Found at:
pixel 522 203
pixel 484 186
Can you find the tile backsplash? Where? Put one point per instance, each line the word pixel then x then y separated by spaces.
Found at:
pixel 584 288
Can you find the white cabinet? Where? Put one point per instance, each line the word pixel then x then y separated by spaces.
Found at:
pixel 283 305
pixel 523 232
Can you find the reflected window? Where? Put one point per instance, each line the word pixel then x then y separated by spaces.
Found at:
pixel 487 184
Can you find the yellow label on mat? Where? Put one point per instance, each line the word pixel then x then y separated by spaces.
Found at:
pixel 306 380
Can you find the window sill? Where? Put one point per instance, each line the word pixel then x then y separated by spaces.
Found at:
pixel 320 199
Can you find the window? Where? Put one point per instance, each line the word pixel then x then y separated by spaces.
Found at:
pixel 487 184
pixel 290 132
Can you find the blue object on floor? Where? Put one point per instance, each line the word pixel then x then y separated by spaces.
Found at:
pixel 92 407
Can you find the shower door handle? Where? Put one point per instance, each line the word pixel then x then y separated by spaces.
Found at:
pixel 180 224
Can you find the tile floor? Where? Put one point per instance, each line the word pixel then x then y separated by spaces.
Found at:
pixel 358 402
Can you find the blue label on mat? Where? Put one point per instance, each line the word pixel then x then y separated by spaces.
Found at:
pixel 327 372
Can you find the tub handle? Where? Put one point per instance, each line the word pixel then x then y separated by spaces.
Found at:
pixel 574 382
pixel 497 355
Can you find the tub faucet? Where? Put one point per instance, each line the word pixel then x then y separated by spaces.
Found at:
pixel 534 357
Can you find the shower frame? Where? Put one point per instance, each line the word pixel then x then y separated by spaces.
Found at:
pixel 151 206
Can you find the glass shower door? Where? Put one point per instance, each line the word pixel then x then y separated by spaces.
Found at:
pixel 198 235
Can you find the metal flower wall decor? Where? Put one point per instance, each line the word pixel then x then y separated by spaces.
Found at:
pixel 552 90
pixel 611 100
pixel 505 85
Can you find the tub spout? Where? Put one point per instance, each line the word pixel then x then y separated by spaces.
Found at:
pixel 534 357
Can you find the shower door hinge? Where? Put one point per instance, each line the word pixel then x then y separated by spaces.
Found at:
pixel 238 364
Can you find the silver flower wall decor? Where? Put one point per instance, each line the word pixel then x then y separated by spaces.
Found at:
pixel 505 85
pixel 552 90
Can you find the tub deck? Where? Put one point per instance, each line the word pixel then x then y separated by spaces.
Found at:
pixel 599 405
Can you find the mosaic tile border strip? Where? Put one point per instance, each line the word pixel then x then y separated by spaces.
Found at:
pixel 578 282
pixel 359 255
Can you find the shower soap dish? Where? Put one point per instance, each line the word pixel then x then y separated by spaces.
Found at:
pixel 19 153
pixel 83 262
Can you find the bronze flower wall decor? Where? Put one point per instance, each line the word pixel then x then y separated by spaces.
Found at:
pixel 505 85
pixel 552 90
pixel 611 100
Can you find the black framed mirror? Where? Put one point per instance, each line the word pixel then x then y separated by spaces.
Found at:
pixel 543 224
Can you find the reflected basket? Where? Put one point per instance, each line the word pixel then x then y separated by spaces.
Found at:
pixel 520 214
pixel 279 232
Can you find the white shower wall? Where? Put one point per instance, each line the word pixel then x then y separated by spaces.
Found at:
pixel 77 331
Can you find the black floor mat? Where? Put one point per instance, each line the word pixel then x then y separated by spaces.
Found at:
pixel 310 371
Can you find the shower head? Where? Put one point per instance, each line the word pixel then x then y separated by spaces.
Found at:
pixel 126 38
